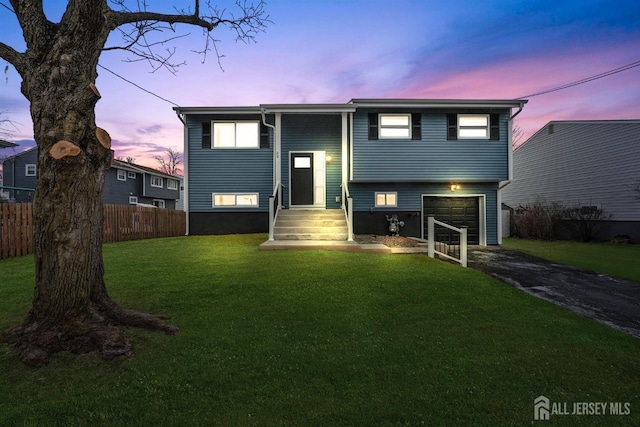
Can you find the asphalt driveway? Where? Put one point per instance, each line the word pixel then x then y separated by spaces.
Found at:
pixel 609 300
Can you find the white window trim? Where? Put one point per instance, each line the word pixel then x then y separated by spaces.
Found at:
pixel 381 127
pixel 131 175
pixel 161 203
pixel 172 187
pixel 28 167
pixel 486 128
pixel 154 185
pixel 386 194
pixel 133 200
pixel 122 175
pixel 236 205
pixel 235 142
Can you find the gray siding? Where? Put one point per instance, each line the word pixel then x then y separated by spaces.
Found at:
pixel 226 170
pixel 14 175
pixel 118 192
pixel 303 132
pixel 410 199
pixel 580 163
pixel 433 158
pixel 157 192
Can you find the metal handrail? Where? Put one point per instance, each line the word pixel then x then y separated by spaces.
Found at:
pixel 347 207
pixel 273 210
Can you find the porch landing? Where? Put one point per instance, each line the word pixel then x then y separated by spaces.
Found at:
pixel 337 245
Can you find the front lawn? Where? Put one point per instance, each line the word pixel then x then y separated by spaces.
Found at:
pixel 615 259
pixel 303 338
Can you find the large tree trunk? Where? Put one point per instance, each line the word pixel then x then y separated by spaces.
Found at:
pixel 71 308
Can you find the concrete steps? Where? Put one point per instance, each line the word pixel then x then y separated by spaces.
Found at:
pixel 308 224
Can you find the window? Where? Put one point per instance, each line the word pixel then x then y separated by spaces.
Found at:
pixel 395 126
pixel 122 175
pixel 232 200
pixel 236 135
pixel 131 175
pixel 30 170
pixel 156 181
pixel 172 184
pixel 386 199
pixel 159 203
pixel 133 200
pixel 473 126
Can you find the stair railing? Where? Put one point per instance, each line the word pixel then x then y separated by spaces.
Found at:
pixel 347 207
pixel 454 251
pixel 275 204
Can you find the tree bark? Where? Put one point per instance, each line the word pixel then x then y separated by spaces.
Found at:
pixel 71 309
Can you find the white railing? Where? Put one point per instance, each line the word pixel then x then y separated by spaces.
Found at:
pixel 347 207
pixel 275 204
pixel 454 252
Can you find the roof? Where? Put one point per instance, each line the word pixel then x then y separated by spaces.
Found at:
pixel 119 164
pixel 354 104
pixel 7 144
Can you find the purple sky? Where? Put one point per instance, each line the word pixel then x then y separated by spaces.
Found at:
pixel 333 51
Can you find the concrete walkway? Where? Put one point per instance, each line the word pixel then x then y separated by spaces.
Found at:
pixel 609 300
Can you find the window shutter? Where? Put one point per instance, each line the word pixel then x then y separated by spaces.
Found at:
pixel 373 125
pixel 206 135
pixel 494 127
pixel 264 136
pixel 416 128
pixel 452 126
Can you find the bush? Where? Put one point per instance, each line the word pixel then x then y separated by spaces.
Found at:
pixel 585 222
pixel 537 220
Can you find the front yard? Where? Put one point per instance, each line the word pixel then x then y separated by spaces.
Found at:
pixel 317 338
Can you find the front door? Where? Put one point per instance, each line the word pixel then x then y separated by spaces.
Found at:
pixel 301 179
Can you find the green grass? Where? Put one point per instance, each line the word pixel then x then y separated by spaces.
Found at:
pixel 317 338
pixel 610 258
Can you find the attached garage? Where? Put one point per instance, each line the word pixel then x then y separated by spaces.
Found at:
pixel 458 211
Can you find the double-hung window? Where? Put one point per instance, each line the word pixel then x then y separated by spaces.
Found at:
pixel 122 175
pixel 474 126
pixel 30 170
pixel 236 135
pixel 395 126
pixel 156 181
pixel 172 184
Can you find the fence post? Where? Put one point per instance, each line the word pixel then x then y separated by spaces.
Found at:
pixel 463 246
pixel 431 245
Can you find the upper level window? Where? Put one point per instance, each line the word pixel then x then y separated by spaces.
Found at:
pixel 395 126
pixel 131 175
pixel 172 184
pixel 122 175
pixel 236 135
pixel 30 170
pixel 474 126
pixel 156 181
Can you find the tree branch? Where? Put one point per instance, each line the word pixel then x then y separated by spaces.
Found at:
pixel 12 56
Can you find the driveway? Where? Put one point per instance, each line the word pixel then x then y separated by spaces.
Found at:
pixel 609 300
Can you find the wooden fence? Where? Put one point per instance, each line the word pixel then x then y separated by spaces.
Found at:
pixel 121 222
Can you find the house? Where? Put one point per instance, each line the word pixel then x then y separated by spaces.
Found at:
pixel 583 164
pixel 125 183
pixel 367 160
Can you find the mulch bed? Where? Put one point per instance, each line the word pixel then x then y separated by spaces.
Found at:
pixel 390 241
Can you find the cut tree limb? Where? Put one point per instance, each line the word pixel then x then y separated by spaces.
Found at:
pixel 63 149
pixel 103 137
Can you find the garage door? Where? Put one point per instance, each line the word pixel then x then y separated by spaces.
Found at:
pixel 456 211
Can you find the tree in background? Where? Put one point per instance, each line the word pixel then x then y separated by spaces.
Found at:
pixel 170 161
pixel 71 309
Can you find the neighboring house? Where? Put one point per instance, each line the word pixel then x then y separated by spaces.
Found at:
pixel 582 164
pixel 406 157
pixel 125 183
pixel 4 195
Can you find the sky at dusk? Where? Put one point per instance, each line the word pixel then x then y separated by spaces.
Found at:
pixel 331 51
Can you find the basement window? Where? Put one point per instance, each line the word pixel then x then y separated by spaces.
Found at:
pixel 235 200
pixel 386 199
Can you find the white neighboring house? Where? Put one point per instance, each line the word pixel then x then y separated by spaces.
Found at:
pixel 582 164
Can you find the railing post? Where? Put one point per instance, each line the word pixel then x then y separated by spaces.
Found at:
pixel 350 219
pixel 463 246
pixel 271 217
pixel 430 237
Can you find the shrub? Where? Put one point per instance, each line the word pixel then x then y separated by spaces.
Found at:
pixel 537 220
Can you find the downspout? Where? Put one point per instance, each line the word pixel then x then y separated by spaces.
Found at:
pixel 276 153
pixel 185 159
pixel 503 184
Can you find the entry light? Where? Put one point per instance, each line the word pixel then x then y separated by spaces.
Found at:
pixel 455 187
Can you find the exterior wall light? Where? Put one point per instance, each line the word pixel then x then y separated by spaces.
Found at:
pixel 455 187
pixel 328 158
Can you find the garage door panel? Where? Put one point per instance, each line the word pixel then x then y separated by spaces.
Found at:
pixel 455 211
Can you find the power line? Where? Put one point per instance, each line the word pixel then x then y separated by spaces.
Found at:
pixel 137 85
pixel 585 80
